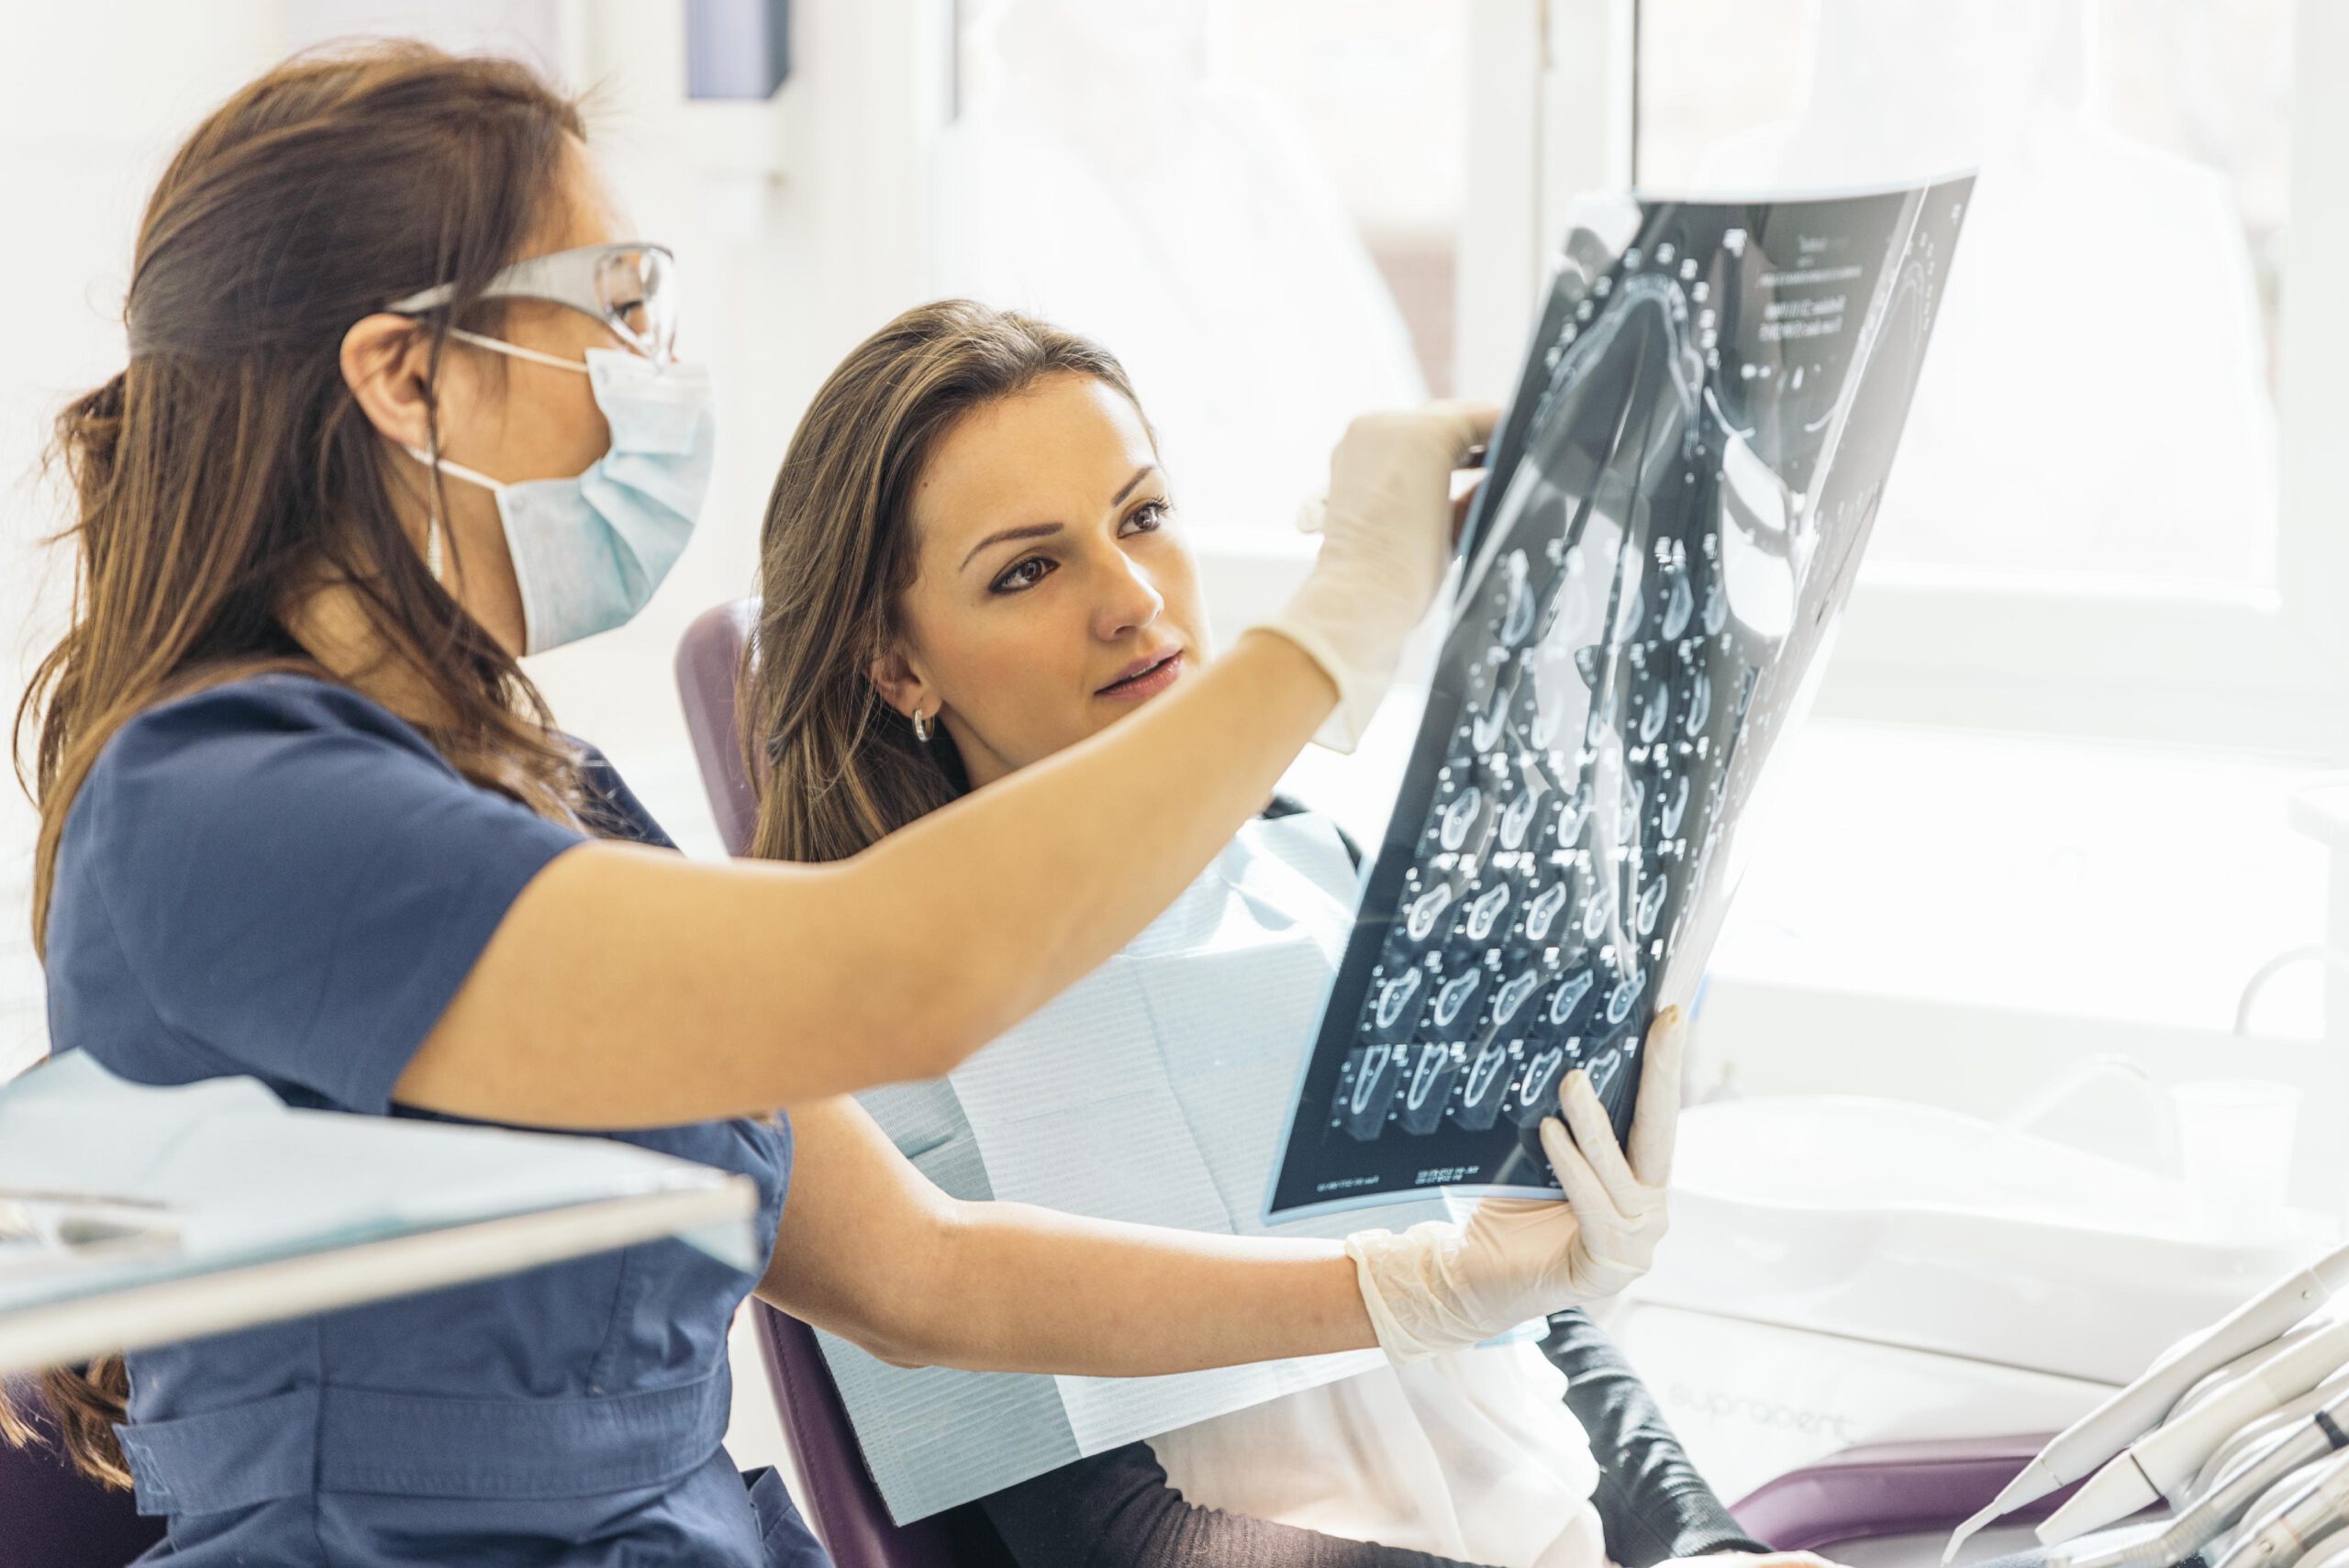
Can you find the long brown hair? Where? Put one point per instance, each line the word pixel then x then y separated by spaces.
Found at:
pixel 227 469
pixel 836 768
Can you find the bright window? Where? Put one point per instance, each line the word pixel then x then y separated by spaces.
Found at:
pixel 1254 206
pixel 2099 407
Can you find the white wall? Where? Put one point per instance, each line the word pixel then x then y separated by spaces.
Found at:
pixel 797 227
pixel 784 273
pixel 79 142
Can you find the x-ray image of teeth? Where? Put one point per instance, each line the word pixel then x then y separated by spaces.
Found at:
pixel 1537 1091
pixel 1454 997
pixel 1596 913
pixel 1428 1093
pixel 1426 910
pixel 1518 618
pixel 1603 1071
pixel 1543 910
pixel 1490 721
pixel 1619 1001
pixel 1569 996
pixel 1395 997
pixel 1517 818
pixel 1484 912
pixel 1653 713
pixel 1679 607
pixel 1487 728
pixel 1716 609
pixel 1650 905
pixel 1675 806
pixel 1372 1075
pixel 1570 824
pixel 1700 704
pixel 1672 515
pixel 1512 995
pixel 1483 1087
pixel 1459 817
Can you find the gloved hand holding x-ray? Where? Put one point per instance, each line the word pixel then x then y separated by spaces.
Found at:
pixel 1677 501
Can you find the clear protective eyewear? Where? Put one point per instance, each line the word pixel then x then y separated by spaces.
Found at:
pixel 629 286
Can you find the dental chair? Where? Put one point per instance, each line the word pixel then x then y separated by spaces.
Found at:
pixel 709 661
pixel 1880 1492
pixel 1872 1494
pixel 843 1506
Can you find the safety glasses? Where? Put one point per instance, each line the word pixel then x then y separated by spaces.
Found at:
pixel 631 288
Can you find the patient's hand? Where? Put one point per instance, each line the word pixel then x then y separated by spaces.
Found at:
pixel 1442 1287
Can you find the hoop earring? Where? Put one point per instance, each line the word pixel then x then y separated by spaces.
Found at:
pixel 921 727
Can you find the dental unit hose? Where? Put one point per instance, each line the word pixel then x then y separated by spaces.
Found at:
pixel 2332 1551
pixel 2264 1430
pixel 2162 1464
pixel 2219 1380
pixel 2203 1523
pixel 2288 1490
pixel 2079 1449
pixel 2281 1536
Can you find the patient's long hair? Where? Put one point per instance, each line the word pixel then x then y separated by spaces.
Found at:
pixel 228 468
pixel 836 768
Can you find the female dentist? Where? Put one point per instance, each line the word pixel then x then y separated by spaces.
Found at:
pixel 303 818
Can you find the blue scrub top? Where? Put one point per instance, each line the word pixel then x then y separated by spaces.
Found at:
pixel 277 877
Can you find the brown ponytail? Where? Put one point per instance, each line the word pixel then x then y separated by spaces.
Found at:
pixel 80 1408
pixel 227 469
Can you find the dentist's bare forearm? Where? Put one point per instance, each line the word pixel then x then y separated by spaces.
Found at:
pixel 1009 896
pixel 631 987
pixel 1025 1289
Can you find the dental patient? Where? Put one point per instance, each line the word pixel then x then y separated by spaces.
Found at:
pixel 973 560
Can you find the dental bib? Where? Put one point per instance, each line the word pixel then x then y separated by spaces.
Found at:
pixel 1153 1090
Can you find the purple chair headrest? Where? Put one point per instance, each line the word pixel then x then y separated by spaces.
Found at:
pixel 843 1505
pixel 709 663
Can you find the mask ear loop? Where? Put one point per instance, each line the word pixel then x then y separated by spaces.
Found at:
pixel 433 527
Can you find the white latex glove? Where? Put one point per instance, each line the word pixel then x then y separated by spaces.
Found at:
pixel 1441 1287
pixel 1385 543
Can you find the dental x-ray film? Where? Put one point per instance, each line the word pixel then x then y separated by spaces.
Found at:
pixel 1673 513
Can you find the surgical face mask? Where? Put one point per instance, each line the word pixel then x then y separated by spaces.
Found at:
pixel 589 550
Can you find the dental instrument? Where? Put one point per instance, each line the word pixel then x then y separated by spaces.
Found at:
pixel 2135 1410
pixel 2198 1525
pixel 2269 1426
pixel 2284 1534
pixel 2286 1491
pixel 2165 1461
pixel 2332 1551
pixel 2216 1382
